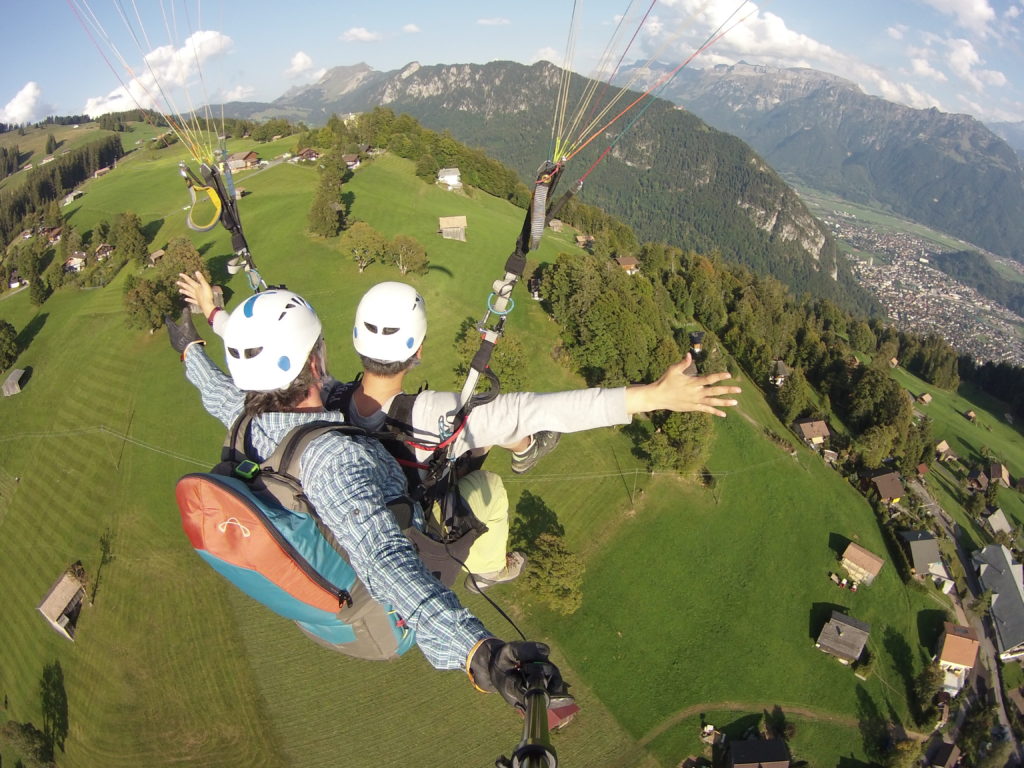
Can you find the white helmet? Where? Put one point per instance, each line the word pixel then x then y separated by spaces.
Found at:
pixel 391 321
pixel 268 339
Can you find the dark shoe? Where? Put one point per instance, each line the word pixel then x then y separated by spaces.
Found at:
pixel 514 563
pixel 541 444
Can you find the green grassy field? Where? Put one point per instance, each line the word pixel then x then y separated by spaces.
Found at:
pixel 693 597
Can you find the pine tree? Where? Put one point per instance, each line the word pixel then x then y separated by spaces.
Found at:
pixel 555 574
pixel 51 144
pixel 8 345
pixel 324 219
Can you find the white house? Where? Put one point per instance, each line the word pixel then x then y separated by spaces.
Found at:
pixel 450 177
pixel 958 652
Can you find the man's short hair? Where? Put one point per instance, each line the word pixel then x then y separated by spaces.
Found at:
pixel 378 368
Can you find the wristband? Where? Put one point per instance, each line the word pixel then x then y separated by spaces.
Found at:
pixel 212 315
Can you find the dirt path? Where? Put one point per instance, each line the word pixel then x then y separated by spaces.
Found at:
pixel 744 706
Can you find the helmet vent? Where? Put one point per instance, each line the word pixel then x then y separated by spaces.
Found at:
pixel 251 352
pixel 390 331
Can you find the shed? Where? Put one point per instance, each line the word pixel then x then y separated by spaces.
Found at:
pixel 780 372
pixel 12 384
pixel 450 177
pixel 452 227
pixel 971 416
pixel 155 257
pixel 942 450
pixel 759 753
pixel 860 564
pixel 924 398
pixel 585 241
pixel 62 604
pixel 844 637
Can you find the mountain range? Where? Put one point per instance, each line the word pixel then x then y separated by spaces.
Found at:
pixel 671 177
pixel 948 171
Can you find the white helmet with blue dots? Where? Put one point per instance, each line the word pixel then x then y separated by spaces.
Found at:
pixel 268 339
pixel 391 323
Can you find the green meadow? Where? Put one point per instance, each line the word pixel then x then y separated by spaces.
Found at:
pixel 696 600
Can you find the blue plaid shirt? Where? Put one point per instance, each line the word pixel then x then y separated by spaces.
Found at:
pixel 349 480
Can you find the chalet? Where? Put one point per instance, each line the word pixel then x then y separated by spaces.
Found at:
pixel 155 257
pixel 628 264
pixel 843 637
pixel 15 280
pixel 971 416
pixel 351 161
pixel 923 550
pixel 958 652
pixel 998 473
pixel 863 566
pixel 924 398
pixel 555 225
pixel 238 161
pixel 26 234
pixel 942 450
pixel 70 197
pixel 780 372
pixel 452 227
pixel 63 603
pixel 75 262
pixel 12 384
pixel 945 755
pixel 586 242
pixel 888 487
pixel 101 172
pixel 997 523
pixel 977 480
pixel 308 154
pixel 52 234
pixel 697 342
pixel 759 753
pixel 814 432
pixel 450 177
pixel 1004 578
pixel 103 251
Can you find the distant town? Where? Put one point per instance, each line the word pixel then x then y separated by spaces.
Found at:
pixel 918 297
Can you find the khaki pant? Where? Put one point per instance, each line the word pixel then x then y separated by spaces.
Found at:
pixel 485 494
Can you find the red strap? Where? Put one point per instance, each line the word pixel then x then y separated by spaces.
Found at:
pixel 213 314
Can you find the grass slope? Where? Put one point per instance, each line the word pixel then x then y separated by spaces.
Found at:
pixel 692 597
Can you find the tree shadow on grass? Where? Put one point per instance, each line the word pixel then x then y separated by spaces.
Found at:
pixel 28 334
pixel 151 230
pixel 874 731
pixel 902 656
pixel 929 627
pixel 820 615
pixel 532 518
pixel 55 708
pixel 742 726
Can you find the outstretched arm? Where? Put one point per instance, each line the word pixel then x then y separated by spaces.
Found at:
pixel 676 391
pixel 197 291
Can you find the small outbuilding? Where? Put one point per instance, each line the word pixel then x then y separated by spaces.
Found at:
pixel 452 227
pixel 844 637
pixel 998 473
pixel 12 384
pixel 924 398
pixel 63 603
pixel 450 177
pixel 780 372
pixel 863 566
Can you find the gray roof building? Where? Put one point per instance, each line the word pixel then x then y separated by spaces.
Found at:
pixel 844 637
pixel 1002 576
pixel 924 550
pixel 759 753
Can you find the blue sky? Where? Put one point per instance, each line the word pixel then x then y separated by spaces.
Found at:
pixel 957 55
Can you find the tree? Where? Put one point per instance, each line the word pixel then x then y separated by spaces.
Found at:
pixel 904 754
pixel 51 143
pixel 793 397
pixel 127 237
pixel 555 574
pixel 324 218
pixel 146 303
pixel 408 255
pixel 8 345
pixel 363 243
pixel 39 291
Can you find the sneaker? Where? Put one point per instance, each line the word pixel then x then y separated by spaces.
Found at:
pixel 514 562
pixel 541 444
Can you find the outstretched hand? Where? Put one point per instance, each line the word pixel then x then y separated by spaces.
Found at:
pixel 182 333
pixel 678 391
pixel 197 291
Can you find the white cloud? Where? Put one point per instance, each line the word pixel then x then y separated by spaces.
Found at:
pixel 359 35
pixel 239 93
pixel 26 106
pixel 410 29
pixel 1012 12
pixel 896 32
pixel 167 72
pixel 496 21
pixel 965 62
pixel 973 15
pixel 300 64
pixel 923 68
pixel 547 54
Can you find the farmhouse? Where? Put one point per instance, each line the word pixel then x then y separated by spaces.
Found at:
pixel 12 384
pixel 923 548
pixel 452 227
pixel 450 177
pixel 63 603
pixel 103 250
pixel 629 264
pixel 586 242
pixel 998 473
pixel 759 753
pixel 862 565
pixel 238 161
pixel 308 154
pixel 843 637
pixel 958 651
pixel 780 372
pixel 351 161
pixel 888 486
pixel 75 262
pixel 999 574
pixel 814 432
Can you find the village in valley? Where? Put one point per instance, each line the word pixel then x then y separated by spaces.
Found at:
pixel 920 298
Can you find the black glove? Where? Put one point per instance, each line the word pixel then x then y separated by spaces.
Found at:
pixel 499 666
pixel 182 333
